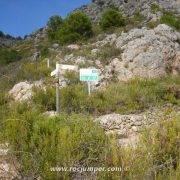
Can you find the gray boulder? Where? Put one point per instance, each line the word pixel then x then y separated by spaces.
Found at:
pixel 127 128
pixel 23 91
pixel 147 53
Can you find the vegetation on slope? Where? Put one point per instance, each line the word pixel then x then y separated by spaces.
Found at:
pixel 136 95
pixel 77 26
pixel 111 18
pixel 72 139
pixel 170 19
pixel 41 144
pixel 8 56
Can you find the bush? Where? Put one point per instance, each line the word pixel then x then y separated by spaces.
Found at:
pixel 138 17
pixel 33 71
pixel 111 18
pixel 45 99
pixel 153 24
pixel 107 53
pixel 133 96
pixel 155 8
pixel 3 99
pixel 65 36
pixel 72 78
pixel 43 143
pixel 171 20
pixel 77 26
pixel 80 23
pixel 44 51
pixel 136 95
pixel 74 99
pixel 156 157
pixel 3 108
pixel 161 143
pixel 8 56
pixel 54 24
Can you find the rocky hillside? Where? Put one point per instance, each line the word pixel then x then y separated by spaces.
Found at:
pixel 7 40
pixel 129 7
pixel 131 118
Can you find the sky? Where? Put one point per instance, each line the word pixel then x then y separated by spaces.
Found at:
pixel 21 17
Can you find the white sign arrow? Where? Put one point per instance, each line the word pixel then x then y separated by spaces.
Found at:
pixel 64 67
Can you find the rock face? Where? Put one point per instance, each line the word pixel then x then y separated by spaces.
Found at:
pixel 23 90
pixel 9 166
pixel 127 128
pixel 145 53
pixel 129 7
pixel 37 35
pixel 176 64
pixel 7 40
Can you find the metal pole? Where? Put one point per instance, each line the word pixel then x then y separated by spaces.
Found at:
pixel 57 93
pixel 89 87
pixel 57 98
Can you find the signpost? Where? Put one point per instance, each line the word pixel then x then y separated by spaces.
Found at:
pixel 86 75
pixel 89 75
pixel 56 73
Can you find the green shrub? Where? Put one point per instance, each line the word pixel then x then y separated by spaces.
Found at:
pixel 70 140
pixel 79 22
pixel 156 156
pixel 111 18
pixel 33 71
pixel 74 99
pixel 66 141
pixel 136 95
pixel 155 8
pixel 107 53
pixel 45 99
pixel 65 36
pixel 138 17
pixel 133 96
pixel 171 20
pixel 77 26
pixel 162 143
pixel 44 51
pixel 41 143
pixel 3 108
pixel 3 99
pixel 8 56
pixel 153 24
pixel 54 24
pixel 72 78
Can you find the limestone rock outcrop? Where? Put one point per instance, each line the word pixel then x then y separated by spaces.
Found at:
pixel 146 53
pixel 23 91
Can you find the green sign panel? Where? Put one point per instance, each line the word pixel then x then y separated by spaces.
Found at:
pixel 89 75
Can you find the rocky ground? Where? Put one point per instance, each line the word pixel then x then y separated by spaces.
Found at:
pixel 144 53
pixel 129 7
pixel 127 128
pixel 8 164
